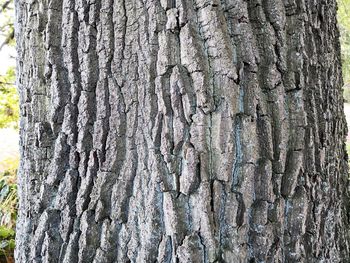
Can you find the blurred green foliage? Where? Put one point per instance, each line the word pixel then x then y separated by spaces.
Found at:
pixel 344 26
pixel 7 241
pixel 9 112
pixel 9 115
pixel 8 207
pixel 8 192
pixel 9 107
pixel 6 23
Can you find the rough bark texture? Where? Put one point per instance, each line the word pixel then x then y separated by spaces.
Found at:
pixel 181 131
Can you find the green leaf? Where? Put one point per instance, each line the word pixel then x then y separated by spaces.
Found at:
pixel 11 244
pixel 6 233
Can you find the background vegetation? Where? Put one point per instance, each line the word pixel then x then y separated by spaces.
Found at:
pixel 9 109
pixel 344 26
pixel 9 114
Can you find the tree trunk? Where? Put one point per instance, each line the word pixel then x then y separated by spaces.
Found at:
pixel 181 131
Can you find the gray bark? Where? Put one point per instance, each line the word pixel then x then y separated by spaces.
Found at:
pixel 181 131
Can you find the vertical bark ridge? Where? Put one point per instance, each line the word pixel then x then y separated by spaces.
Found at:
pixel 181 131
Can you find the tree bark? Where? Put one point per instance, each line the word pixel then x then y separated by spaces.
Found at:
pixel 181 131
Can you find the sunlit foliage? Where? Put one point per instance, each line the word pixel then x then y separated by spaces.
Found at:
pixel 344 26
pixel 9 108
pixel 6 22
